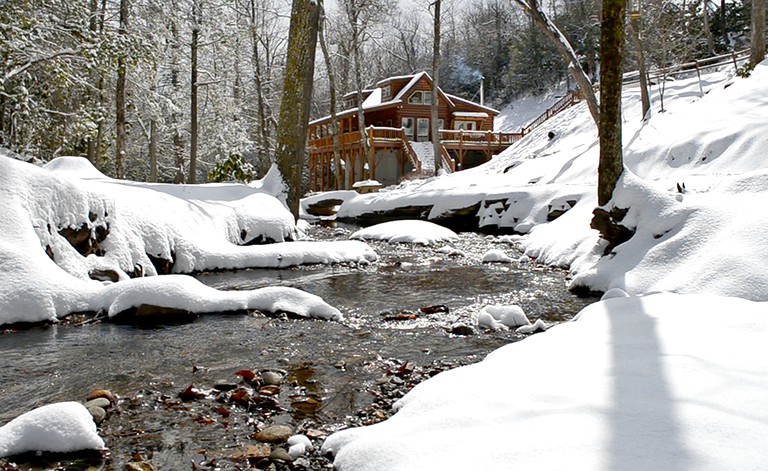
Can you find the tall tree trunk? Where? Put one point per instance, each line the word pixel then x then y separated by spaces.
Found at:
pixel 153 150
pixel 99 144
pixel 611 56
pixel 297 95
pixel 263 131
pixel 120 97
pixel 757 49
pixel 707 27
pixel 339 179
pixel 357 59
pixel 724 20
pixel 435 111
pixel 634 24
pixel 93 25
pixel 562 45
pixel 193 93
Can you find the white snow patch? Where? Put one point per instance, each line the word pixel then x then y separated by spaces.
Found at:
pixel 58 428
pixel 496 256
pixel 406 231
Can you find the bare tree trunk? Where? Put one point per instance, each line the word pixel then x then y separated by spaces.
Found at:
pixel 153 150
pixel 724 19
pixel 263 133
pixel 338 177
pixel 354 14
pixel 611 56
pixel 562 45
pixel 98 146
pixel 757 49
pixel 193 93
pixel 707 28
pixel 120 98
pixel 634 24
pixel 297 95
pixel 93 25
pixel 435 111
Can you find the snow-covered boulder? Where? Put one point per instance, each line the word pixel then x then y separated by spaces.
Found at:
pixel 407 231
pixel 59 428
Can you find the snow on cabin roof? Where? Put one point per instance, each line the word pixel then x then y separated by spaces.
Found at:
pixel 469 114
pixel 462 100
pixel 374 98
pixel 394 79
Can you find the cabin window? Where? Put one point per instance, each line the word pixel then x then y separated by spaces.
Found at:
pixel 465 125
pixel 423 128
pixel 420 98
pixel 408 127
pixel 441 124
pixel 389 123
pixel 386 92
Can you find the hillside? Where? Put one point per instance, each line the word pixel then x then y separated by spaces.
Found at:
pixel 715 145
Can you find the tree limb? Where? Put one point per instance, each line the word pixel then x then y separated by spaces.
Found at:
pixel 562 45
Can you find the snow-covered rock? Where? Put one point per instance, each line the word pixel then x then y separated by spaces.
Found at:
pixel 407 231
pixel 59 428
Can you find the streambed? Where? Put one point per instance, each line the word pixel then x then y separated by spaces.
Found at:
pixel 332 370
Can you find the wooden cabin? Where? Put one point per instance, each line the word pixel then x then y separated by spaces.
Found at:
pixel 397 114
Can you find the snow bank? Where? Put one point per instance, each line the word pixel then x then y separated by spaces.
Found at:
pixel 130 227
pixel 59 428
pixel 409 231
pixel 658 382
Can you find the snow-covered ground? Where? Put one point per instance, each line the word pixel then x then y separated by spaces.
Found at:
pixel 669 371
pixel 194 228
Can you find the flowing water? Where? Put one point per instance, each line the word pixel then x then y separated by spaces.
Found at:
pixel 331 364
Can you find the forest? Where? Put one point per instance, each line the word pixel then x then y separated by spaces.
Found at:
pixel 189 90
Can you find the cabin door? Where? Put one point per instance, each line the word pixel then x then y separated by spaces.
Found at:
pixel 423 129
pixel 408 128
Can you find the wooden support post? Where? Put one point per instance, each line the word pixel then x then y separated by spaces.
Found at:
pixel 371 155
pixel 311 172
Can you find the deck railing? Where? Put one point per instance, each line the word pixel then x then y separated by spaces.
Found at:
pixel 568 100
pixel 491 138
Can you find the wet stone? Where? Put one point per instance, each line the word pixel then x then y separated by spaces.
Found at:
pixel 274 434
pixel 462 329
pixel 100 393
pixel 98 402
pixel 280 454
pixel 224 386
pixel 139 467
pixel 271 378
pixel 97 413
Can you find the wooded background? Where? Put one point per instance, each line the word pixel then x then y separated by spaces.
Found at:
pixel 189 90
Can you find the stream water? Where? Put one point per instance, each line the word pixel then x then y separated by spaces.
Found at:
pixel 329 365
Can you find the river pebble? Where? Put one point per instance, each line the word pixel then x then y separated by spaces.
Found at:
pixel 280 454
pixel 98 402
pixel 271 378
pixel 98 414
pixel 274 434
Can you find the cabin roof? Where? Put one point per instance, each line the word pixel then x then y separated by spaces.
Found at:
pixel 373 100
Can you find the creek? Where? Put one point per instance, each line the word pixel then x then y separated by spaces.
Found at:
pixel 329 366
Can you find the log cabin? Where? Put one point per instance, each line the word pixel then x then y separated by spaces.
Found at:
pixel 397 114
